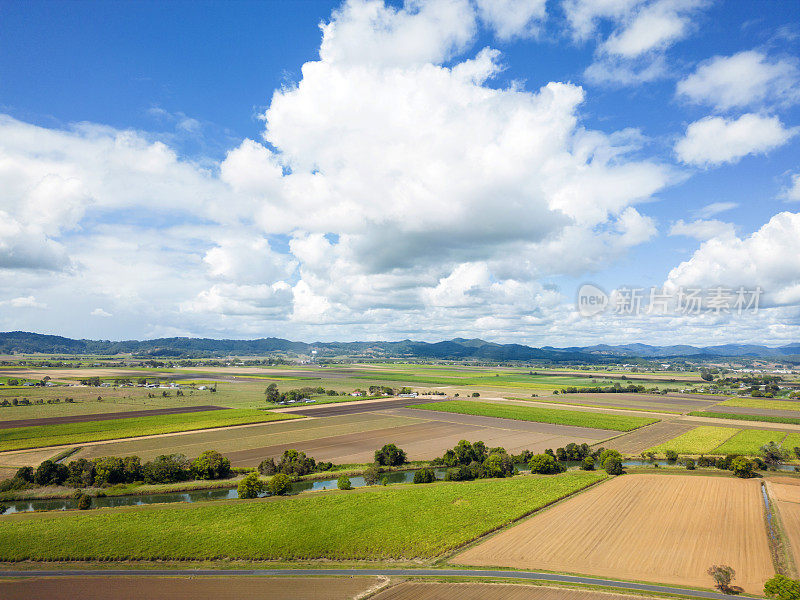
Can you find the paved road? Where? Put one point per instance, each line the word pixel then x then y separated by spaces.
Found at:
pixel 152 412
pixel 642 587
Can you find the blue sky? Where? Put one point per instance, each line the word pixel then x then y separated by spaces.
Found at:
pixel 421 170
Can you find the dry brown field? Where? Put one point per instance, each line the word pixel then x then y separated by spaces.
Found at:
pixel 414 590
pixel 665 529
pixel 654 402
pixel 641 439
pixel 105 416
pixel 785 492
pixel 185 588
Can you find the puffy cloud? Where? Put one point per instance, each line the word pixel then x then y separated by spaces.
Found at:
pixel 745 79
pixel 792 192
pixel 717 140
pixel 703 229
pixel 513 18
pixel 769 258
pixel 99 312
pixel 583 15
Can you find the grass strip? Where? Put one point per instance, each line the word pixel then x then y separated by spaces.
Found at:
pixel 539 415
pixel 38 436
pixel 699 440
pixel 738 417
pixel 408 521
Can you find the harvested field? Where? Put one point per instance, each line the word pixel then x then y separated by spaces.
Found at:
pixel 185 588
pixel 641 439
pixel 653 402
pixel 699 440
pixel 418 590
pixel 785 493
pixel 355 407
pixel 667 529
pixel 253 437
pixel 106 416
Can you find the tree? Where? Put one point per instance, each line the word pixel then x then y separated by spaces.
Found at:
pixel 84 502
pixel 613 466
pixel 81 473
pixel 50 473
pixel 279 484
pixel 689 464
pixel 671 455
pixel 3 508
pixel 587 464
pixel 390 455
pixel 372 474
pixel 166 468
pixel 706 376
pixel 742 467
pixel 109 470
pixel 723 576
pixel 545 464
pixel 295 463
pixel 267 467
pixel 425 475
pixel 272 393
pixel 476 395
pixel 343 483
pixel 251 486
pixel 773 454
pixel 132 468
pixel 210 465
pixel 24 474
pixel 781 587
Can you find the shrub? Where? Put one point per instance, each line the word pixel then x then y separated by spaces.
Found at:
pixel 782 588
pixel 24 474
pixel 425 475
pixel 385 481
pixel 251 486
pixel 3 508
pixel 372 474
pixel 587 464
pixel 166 468
pixel 343 483
pixel 497 464
pixel 390 455
pixel 613 466
pixel 85 502
pixel 689 464
pixel 545 464
pixel 279 485
pixel 267 467
pixel 295 463
pixel 606 454
pixel 210 465
pixel 671 455
pixel 723 576
pixel 742 467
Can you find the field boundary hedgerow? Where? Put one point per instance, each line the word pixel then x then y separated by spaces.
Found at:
pixel 552 416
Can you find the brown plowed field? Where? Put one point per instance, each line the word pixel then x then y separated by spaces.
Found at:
pixel 787 499
pixel 106 416
pixel 185 588
pixel 641 439
pixel 654 402
pixel 413 590
pixel 666 529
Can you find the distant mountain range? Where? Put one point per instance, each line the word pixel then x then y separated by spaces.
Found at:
pixel 458 348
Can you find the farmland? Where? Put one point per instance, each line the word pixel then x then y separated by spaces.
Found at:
pixel 683 525
pixel 416 590
pixel 763 403
pixel 748 441
pixel 785 494
pixel 73 433
pixel 185 588
pixel 594 420
pixel 369 523
pixel 703 439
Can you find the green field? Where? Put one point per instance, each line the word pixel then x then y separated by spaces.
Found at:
pixel 408 521
pixel 740 417
pixel 540 415
pixel 762 403
pixel 748 441
pixel 18 438
pixel 700 440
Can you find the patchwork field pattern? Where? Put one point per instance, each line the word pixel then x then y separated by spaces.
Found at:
pixel 682 525
pixel 699 440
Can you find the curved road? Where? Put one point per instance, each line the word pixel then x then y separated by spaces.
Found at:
pixel 642 587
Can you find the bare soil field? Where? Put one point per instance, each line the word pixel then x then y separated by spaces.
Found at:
pixel 785 493
pixel 235 439
pixel 106 416
pixel 654 402
pixel 417 590
pixel 666 529
pixel 641 439
pixel 185 588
